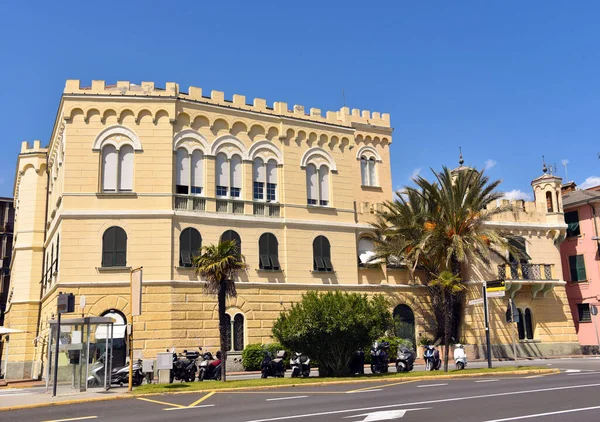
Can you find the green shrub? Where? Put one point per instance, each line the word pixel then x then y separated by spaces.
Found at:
pixel 330 327
pixel 252 357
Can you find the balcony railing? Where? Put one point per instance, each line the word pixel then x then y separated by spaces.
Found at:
pixel 189 203
pixel 269 210
pixel 230 206
pixel 526 271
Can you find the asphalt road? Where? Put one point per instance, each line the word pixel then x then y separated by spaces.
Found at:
pixel 571 395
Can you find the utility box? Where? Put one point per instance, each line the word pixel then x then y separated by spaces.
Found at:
pixel 164 364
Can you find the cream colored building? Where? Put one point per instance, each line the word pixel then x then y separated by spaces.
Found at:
pixel 139 176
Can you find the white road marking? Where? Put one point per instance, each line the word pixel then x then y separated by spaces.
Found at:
pixel 572 370
pixel 73 419
pixel 586 373
pixel 533 376
pixel 430 385
pixel 287 398
pixel 487 380
pixel 538 415
pixel 386 415
pixel 452 399
pixel 192 407
pixel 364 391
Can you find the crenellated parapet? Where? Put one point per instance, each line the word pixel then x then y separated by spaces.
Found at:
pixel 342 117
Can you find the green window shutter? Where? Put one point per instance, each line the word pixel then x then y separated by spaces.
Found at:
pixel 580 264
pixel 572 220
pixel 573 267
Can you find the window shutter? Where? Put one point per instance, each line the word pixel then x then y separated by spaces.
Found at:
pixel 272 171
pixel 221 170
pixel 184 245
pixel 197 169
pixel 528 324
pixel 228 331
pixel 236 172
pixel 311 182
pixel 580 264
pixel 195 242
pixel 521 326
pixel 108 247
pixel 259 170
pixel 183 169
pixel 324 176
pixel 126 172
pixel 120 247
pixel 109 168
pixel 238 333
pixel 57 245
pixel 366 250
pixel 372 173
pixel 363 172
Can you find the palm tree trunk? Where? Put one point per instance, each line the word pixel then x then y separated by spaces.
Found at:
pixel 222 330
pixel 447 330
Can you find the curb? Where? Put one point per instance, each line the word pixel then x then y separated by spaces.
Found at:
pixel 358 380
pixel 268 387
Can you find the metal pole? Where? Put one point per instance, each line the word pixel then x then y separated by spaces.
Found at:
pixel 106 357
pixel 56 356
pixel 487 326
pixel 595 329
pixel 6 359
pixel 130 387
pixel 514 330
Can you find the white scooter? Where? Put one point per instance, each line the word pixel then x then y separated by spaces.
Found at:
pixel 460 357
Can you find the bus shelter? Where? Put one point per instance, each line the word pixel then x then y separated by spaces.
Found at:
pixel 85 349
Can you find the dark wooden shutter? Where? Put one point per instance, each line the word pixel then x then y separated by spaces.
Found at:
pixel 528 324
pixel 120 247
pixel 195 242
pixel 263 252
pixel 318 254
pixel 232 235
pixel 238 333
pixel 108 247
pixel 521 326
pixel 56 261
pixel 273 251
pixel 184 248
pixel 577 268
pixel 228 332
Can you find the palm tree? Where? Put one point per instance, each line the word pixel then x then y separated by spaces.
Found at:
pixel 437 226
pixel 218 265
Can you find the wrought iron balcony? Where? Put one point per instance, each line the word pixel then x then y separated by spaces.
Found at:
pixel 526 271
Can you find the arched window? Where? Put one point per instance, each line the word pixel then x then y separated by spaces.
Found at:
pixel 236 176
pixel 259 179
pixel 190 243
pixel 126 168
pixel 119 343
pixel 364 171
pixel 222 173
pixel 528 324
pixel 372 172
pixel 228 331
pixel 366 250
pixel 189 173
pixel 404 322
pixel 232 235
pixel 324 185
pixel 271 181
pixel 368 171
pixel 114 247
pixel 238 333
pixel 322 254
pixel 268 248
pixel 197 172
pixel 549 202
pixel 521 325
pixel 117 168
pixel 312 185
pixel 109 168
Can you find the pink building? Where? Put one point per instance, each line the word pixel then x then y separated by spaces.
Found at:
pixel 580 255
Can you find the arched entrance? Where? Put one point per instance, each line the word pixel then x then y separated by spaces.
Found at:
pixel 119 337
pixel 404 323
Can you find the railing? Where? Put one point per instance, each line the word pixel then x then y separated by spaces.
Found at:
pixel 230 206
pixel 269 210
pixel 526 271
pixel 190 203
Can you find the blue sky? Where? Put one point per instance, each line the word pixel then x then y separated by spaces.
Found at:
pixel 509 81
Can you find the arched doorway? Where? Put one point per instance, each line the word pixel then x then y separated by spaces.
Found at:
pixel 404 323
pixel 119 337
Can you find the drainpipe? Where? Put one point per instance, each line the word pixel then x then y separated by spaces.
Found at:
pixel 596 238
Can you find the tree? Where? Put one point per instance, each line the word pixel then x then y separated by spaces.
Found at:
pixel 218 265
pixel 331 327
pixel 436 227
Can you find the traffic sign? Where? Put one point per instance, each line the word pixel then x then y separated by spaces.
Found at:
pixel 495 286
pixel 476 301
pixel 494 293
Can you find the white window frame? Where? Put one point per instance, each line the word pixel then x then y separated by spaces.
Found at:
pixel 117 169
pixel 190 157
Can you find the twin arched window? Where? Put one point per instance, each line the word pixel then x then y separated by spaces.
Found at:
pixel 229 176
pixel 268 252
pixel 234 332
pixel 317 185
pixel 525 325
pixel 264 177
pixel 322 254
pixel 189 176
pixel 368 172
pixel 114 247
pixel 232 235
pixel 117 168
pixel 190 243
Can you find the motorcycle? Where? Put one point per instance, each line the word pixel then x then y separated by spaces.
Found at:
pixel 184 366
pixel 432 358
pixel 300 365
pixel 273 367
pixel 460 357
pixel 120 376
pixel 210 368
pixel 96 378
pixel 405 359
pixel 379 358
pixel 357 363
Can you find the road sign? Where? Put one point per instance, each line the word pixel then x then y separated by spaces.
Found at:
pixel 500 293
pixel 594 310
pixel 65 303
pixel 476 301
pixel 495 286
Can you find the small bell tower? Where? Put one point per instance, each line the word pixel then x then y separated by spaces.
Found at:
pixel 548 200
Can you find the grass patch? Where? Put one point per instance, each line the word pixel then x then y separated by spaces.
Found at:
pixel 275 382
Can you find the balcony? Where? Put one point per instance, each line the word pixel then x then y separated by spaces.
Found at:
pixel 230 206
pixel 189 203
pixel 266 209
pixel 526 271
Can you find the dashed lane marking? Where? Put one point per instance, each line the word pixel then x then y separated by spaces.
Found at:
pixel 431 385
pixel 73 419
pixel 287 398
pixel 378 386
pixel 539 415
pixel 487 380
pixel 585 373
pixel 160 402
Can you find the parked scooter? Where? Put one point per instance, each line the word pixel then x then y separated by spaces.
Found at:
pixel 379 358
pixel 432 358
pixel 460 357
pixel 184 366
pixel 300 365
pixel 210 368
pixel 273 367
pixel 96 378
pixel 405 359
pixel 121 375
pixel 357 363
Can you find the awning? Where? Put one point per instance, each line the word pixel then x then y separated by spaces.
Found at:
pixel 4 330
pixel 119 331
